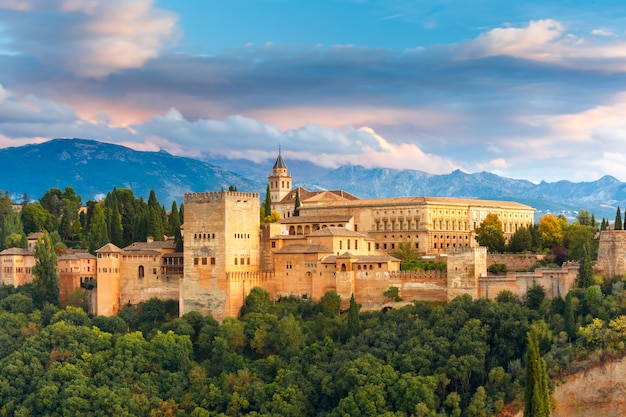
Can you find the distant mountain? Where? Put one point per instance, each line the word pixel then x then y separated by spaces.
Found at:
pixel 93 168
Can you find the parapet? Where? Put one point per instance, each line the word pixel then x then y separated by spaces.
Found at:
pixel 216 197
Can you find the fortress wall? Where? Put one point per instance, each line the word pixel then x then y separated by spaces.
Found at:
pixel 412 286
pixel 514 262
pixel 612 252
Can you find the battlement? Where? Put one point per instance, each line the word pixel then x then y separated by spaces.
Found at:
pixel 255 276
pixel 404 275
pixel 217 197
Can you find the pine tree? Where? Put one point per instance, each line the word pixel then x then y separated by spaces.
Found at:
pixel 536 394
pixel 296 208
pixel 267 204
pixel 618 220
pixel 354 323
pixel 46 279
pixel 593 220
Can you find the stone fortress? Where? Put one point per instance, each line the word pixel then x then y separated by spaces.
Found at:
pixel 336 242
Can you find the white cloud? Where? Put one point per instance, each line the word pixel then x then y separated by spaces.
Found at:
pixel 91 38
pixel 548 41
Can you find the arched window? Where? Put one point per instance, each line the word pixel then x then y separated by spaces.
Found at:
pixel 140 272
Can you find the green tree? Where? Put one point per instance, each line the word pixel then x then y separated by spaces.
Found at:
pixel 490 233
pixel 618 220
pixel 354 322
pixel 98 235
pixel 45 278
pixel 174 221
pixel 584 218
pixel 267 203
pixel 392 294
pixel 579 240
pixel 521 241
pixel 405 251
pixel 156 229
pixel 536 393
pixel 297 204
pixel 35 218
pixel 330 303
pixel 584 278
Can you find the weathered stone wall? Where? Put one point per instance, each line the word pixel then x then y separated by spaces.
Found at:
pixel 514 262
pixel 555 281
pixel 221 236
pixel 135 288
pixel 612 252
pixel 412 286
pixel 465 266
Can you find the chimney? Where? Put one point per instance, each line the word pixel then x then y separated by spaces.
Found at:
pixel 150 239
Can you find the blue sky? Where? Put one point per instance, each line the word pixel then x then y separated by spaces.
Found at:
pixel 531 90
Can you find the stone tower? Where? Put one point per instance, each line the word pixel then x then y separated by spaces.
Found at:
pixel 221 241
pixel 108 302
pixel 279 180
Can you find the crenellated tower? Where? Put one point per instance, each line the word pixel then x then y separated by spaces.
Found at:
pixel 279 180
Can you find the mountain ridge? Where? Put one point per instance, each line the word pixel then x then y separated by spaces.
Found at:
pixel 93 168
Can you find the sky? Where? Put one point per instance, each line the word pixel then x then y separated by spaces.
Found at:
pixel 530 90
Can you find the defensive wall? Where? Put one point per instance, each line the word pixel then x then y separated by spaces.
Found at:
pixel 612 252
pixel 514 262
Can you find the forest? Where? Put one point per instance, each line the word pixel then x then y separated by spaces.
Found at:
pixel 296 357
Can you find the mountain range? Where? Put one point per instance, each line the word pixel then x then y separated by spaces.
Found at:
pixel 93 168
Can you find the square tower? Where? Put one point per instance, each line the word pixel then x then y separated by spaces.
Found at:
pixel 221 238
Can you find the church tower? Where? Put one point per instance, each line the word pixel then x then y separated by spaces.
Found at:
pixel 279 180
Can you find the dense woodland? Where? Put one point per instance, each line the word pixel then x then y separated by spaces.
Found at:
pixel 296 357
pixel 292 357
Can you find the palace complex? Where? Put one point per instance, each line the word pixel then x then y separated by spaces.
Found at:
pixel 335 242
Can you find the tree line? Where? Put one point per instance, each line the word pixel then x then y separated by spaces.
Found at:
pixel 120 218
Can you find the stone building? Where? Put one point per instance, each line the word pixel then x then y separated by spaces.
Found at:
pixel 337 242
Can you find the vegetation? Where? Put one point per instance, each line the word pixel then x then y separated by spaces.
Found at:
pixel 296 357
pixel 119 218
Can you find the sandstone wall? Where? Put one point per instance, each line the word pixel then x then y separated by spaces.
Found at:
pixel 514 262
pixel 612 252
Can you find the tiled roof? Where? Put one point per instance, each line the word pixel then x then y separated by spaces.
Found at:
pixel 154 245
pixel 313 197
pixel 109 247
pixel 378 202
pixel 317 219
pixel 16 251
pixel 304 248
pixel 337 231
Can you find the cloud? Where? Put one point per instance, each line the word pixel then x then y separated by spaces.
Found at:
pixel 91 38
pixel 548 41
pixel 243 137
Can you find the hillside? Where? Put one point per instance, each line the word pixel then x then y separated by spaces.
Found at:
pixel 93 168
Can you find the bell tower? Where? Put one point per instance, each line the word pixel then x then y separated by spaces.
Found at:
pixel 279 180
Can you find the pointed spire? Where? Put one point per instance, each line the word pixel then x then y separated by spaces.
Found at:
pixel 279 161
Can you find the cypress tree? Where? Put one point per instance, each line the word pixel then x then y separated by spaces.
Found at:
pixel 267 204
pixel 296 208
pixel 354 323
pixel 618 220
pixel 585 270
pixel 536 394
pixel 98 234
pixel 174 222
pixel 568 315
pixel 45 271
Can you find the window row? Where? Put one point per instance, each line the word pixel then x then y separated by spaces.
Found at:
pixel 397 225
pixel 203 261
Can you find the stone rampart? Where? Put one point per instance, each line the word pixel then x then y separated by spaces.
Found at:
pixel 612 252
pixel 514 262
pixel 216 196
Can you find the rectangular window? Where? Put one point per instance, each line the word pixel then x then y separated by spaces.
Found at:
pixel 154 271
pixel 235 261
pixel 273 244
pixel 203 261
pixel 241 259
pixel 212 261
pixel 195 261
